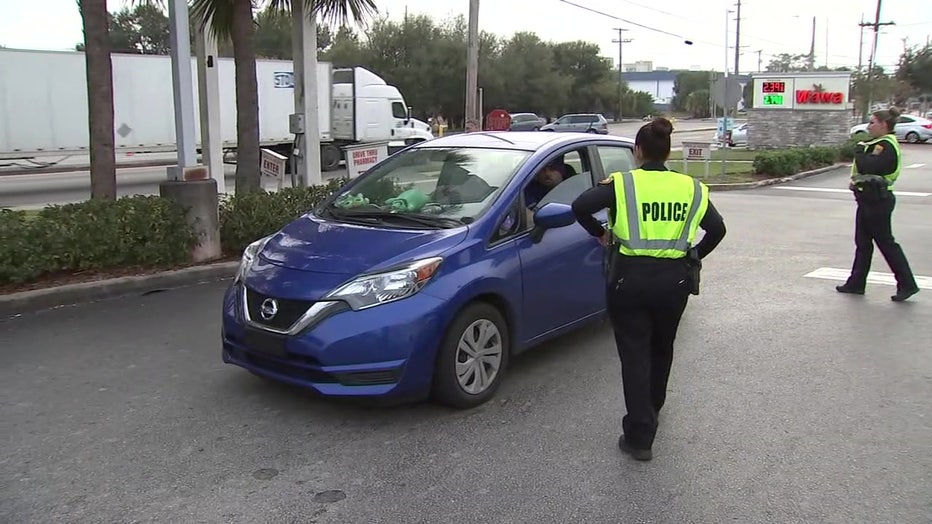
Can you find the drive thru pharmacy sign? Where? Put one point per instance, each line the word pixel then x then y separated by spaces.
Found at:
pixel 361 157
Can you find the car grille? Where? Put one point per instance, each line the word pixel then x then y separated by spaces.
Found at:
pixel 289 311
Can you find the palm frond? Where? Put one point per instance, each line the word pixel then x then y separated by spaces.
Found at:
pixel 338 11
pixel 214 15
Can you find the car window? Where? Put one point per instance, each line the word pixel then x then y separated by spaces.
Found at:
pixel 904 120
pixel 616 159
pixel 567 191
pixel 398 110
pixel 453 182
pixel 512 223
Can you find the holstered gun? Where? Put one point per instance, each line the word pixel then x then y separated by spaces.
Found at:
pixel 694 265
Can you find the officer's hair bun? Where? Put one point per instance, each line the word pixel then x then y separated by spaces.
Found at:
pixel 894 112
pixel 661 127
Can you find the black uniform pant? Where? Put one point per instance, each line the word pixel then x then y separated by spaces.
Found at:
pixel 873 225
pixel 646 299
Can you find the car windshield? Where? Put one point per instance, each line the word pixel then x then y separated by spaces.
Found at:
pixel 427 186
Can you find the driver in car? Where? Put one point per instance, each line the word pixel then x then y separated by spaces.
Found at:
pixel 546 179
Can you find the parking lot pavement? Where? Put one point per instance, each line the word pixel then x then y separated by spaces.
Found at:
pixel 788 403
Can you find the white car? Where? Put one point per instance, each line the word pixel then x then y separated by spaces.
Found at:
pixel 912 129
pixel 739 135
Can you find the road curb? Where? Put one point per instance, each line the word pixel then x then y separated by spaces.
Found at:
pixel 46 298
pixel 82 167
pixel 775 181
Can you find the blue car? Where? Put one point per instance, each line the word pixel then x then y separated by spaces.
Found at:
pixel 425 275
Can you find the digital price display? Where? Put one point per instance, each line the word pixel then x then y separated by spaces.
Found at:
pixel 773 100
pixel 774 87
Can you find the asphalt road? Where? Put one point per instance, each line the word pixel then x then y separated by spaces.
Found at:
pixel 788 403
pixel 40 189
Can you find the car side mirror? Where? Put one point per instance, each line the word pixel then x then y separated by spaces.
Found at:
pixel 551 216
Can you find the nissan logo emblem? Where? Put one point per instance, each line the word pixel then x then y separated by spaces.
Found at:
pixel 268 309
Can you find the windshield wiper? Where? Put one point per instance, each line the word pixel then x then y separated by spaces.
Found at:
pixel 417 218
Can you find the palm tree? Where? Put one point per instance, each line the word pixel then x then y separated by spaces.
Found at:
pixel 232 20
pixel 99 97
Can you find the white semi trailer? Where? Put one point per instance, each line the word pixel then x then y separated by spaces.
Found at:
pixel 43 106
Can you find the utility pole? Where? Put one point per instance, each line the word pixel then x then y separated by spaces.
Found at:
pixel 472 69
pixel 621 70
pixel 759 51
pixel 861 45
pixel 812 47
pixel 870 71
pixel 737 38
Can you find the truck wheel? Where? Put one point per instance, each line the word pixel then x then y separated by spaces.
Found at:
pixel 329 157
pixel 473 357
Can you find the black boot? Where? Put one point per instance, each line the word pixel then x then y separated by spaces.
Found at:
pixel 637 453
pixel 848 288
pixel 902 294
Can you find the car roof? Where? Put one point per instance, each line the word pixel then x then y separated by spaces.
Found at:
pixel 523 140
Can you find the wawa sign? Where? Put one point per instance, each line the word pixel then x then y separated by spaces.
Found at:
pixel 818 95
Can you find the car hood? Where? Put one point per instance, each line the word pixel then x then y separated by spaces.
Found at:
pixel 324 246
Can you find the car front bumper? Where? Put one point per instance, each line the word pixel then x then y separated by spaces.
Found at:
pixel 384 351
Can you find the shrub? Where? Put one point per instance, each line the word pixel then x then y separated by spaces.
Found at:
pixel 250 216
pixel 787 162
pixel 137 231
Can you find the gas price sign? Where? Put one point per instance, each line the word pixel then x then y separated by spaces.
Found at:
pixel 774 94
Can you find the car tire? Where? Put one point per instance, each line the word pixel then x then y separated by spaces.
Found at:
pixel 912 137
pixel 452 386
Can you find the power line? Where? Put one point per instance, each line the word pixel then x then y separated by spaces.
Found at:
pixel 649 28
pixel 657 10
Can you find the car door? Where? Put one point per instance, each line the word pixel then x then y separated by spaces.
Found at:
pixel 903 123
pixel 613 159
pixel 562 276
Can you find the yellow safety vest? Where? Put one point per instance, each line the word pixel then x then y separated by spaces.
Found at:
pixel 891 138
pixel 657 212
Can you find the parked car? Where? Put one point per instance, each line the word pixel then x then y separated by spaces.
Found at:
pixel 580 123
pixel 427 274
pixel 739 135
pixel 912 129
pixel 526 122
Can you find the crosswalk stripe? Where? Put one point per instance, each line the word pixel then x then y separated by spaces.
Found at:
pixel 873 277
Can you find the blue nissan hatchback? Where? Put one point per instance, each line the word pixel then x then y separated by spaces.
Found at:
pixel 425 275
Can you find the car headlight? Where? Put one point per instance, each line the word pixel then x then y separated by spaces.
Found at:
pixel 389 286
pixel 250 254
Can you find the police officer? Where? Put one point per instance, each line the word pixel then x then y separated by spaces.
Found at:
pixel 654 214
pixel 876 167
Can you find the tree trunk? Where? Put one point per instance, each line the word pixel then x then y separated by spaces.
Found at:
pixel 99 98
pixel 247 98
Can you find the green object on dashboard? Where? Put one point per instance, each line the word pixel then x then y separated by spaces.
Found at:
pixel 410 200
pixel 350 201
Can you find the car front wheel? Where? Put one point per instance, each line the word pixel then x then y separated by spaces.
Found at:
pixel 473 357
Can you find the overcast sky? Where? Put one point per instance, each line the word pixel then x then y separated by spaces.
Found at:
pixel 772 26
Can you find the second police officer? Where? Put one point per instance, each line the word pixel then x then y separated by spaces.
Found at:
pixel 654 215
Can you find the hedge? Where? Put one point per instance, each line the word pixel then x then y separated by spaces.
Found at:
pixel 785 162
pixel 136 232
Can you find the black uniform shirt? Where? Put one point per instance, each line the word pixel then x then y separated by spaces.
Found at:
pixel 602 196
pixel 881 164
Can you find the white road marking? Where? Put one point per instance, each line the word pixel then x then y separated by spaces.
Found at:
pixel 839 190
pixel 914 166
pixel 874 277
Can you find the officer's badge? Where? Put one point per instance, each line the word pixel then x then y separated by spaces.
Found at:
pixel 877 149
